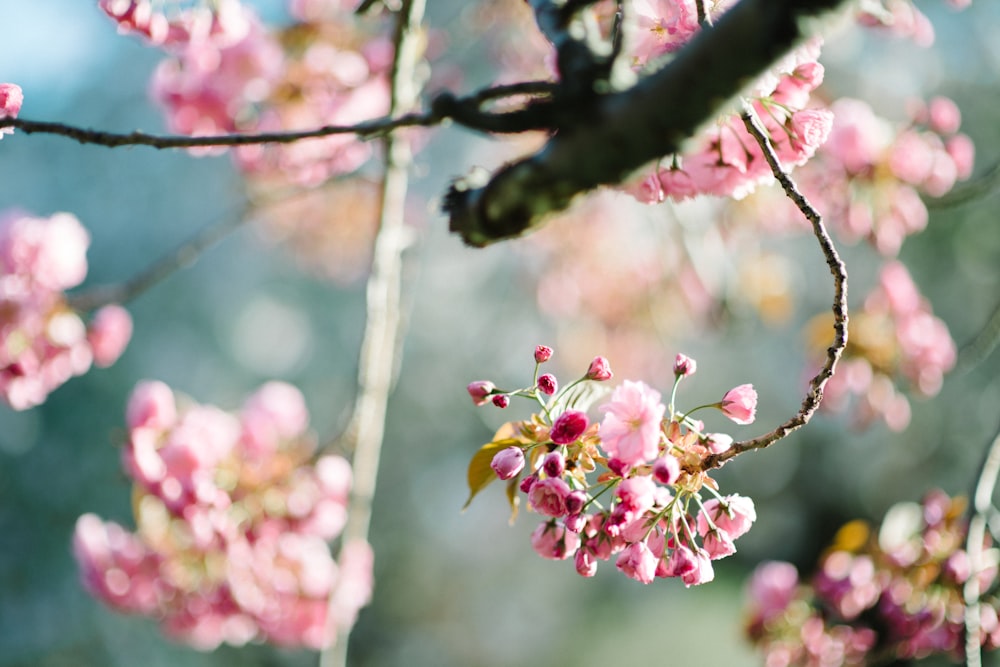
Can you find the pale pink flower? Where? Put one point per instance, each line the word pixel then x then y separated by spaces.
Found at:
pixel 599 370
pixel 151 405
pixel 630 431
pixel 740 404
pixel 548 496
pixel 684 365
pixel 772 588
pixel 734 515
pixel 554 542
pixel 702 572
pixel 666 469
pixel 569 426
pixel 480 391
pixel 11 99
pixel 508 462
pixel 637 562
pixel 108 334
pixel 718 544
pixel 637 494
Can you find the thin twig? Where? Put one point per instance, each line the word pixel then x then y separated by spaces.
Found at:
pixel 839 271
pixel 376 364
pixel 981 507
pixel 366 130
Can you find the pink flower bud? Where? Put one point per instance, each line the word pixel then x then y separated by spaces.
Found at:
pixel 501 400
pixel 684 366
pixel 944 115
pixel 480 390
pixel 11 99
pixel 718 544
pixel 542 354
pixel 666 469
pixel 554 541
pixel 575 522
pixel 568 427
pixel 718 442
pixel 151 405
pixel 109 333
pixel 575 501
pixel 554 464
pixel 547 384
pixel 733 514
pixel 508 462
pixel 740 404
pixel 599 370
pixel 618 467
pixel 637 562
pixel 585 562
pixel 527 483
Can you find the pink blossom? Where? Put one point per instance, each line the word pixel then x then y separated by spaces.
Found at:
pixel 684 366
pixel 740 404
pixel 151 405
pixel 585 562
pixel 553 541
pixel 702 571
pixel 575 502
pixel 508 462
pixel 548 496
pixel 637 562
pixel 718 544
pixel 599 370
pixel 554 464
pixel 630 431
pixel 480 390
pixel 569 426
pixel 501 400
pixel 772 588
pixel 109 333
pixel 944 116
pixel 963 153
pixel 637 494
pixel 273 414
pixel 733 514
pixel 542 354
pixel 666 469
pixel 547 384
pixel 11 99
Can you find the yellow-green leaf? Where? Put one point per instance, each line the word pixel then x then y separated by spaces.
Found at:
pixel 480 473
pixel 512 487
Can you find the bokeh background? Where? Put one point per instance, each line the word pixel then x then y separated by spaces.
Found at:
pixel 452 588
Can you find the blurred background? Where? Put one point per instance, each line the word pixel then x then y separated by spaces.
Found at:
pixel 452 588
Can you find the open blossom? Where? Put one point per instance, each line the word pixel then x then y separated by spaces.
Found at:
pixel 553 541
pixel 630 431
pixel 11 99
pixel 638 562
pixel 740 404
pixel 548 496
pixel 733 514
pixel 237 499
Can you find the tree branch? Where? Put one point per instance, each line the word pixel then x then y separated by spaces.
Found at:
pixel 603 142
pixel 376 364
pixel 815 394
pixel 980 508
pixel 464 110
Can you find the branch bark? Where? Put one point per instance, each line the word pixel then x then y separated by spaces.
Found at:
pixel 602 143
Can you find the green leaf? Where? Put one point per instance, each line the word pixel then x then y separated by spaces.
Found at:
pixel 480 473
pixel 512 497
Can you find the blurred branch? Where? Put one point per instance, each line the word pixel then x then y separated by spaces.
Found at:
pixel 975 352
pixel 839 271
pixel 468 105
pixel 981 507
pixel 181 257
pixel 602 142
pixel 987 184
pixel 376 364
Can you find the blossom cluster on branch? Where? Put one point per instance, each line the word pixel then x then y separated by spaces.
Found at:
pixel 233 517
pixel 647 456
pixel 45 341
pixel 894 593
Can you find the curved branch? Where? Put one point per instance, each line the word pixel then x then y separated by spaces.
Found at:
pixel 815 394
pixel 603 141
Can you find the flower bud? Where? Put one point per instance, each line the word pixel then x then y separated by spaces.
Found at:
pixel 684 366
pixel 666 469
pixel 568 427
pixel 575 501
pixel 740 404
pixel 527 483
pixel 480 390
pixel 554 464
pixel 547 384
pixel 575 522
pixel 508 462
pixel 599 370
pixel 542 354
pixel 501 400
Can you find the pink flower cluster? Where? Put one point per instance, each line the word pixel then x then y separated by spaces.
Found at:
pixel 228 73
pixel 868 178
pixel 648 455
pixel 11 99
pixel 233 517
pixel 894 337
pixel 45 342
pixel 897 592
pixel 725 159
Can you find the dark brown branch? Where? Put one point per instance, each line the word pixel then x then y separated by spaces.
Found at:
pixel 467 107
pixel 815 394
pixel 604 141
